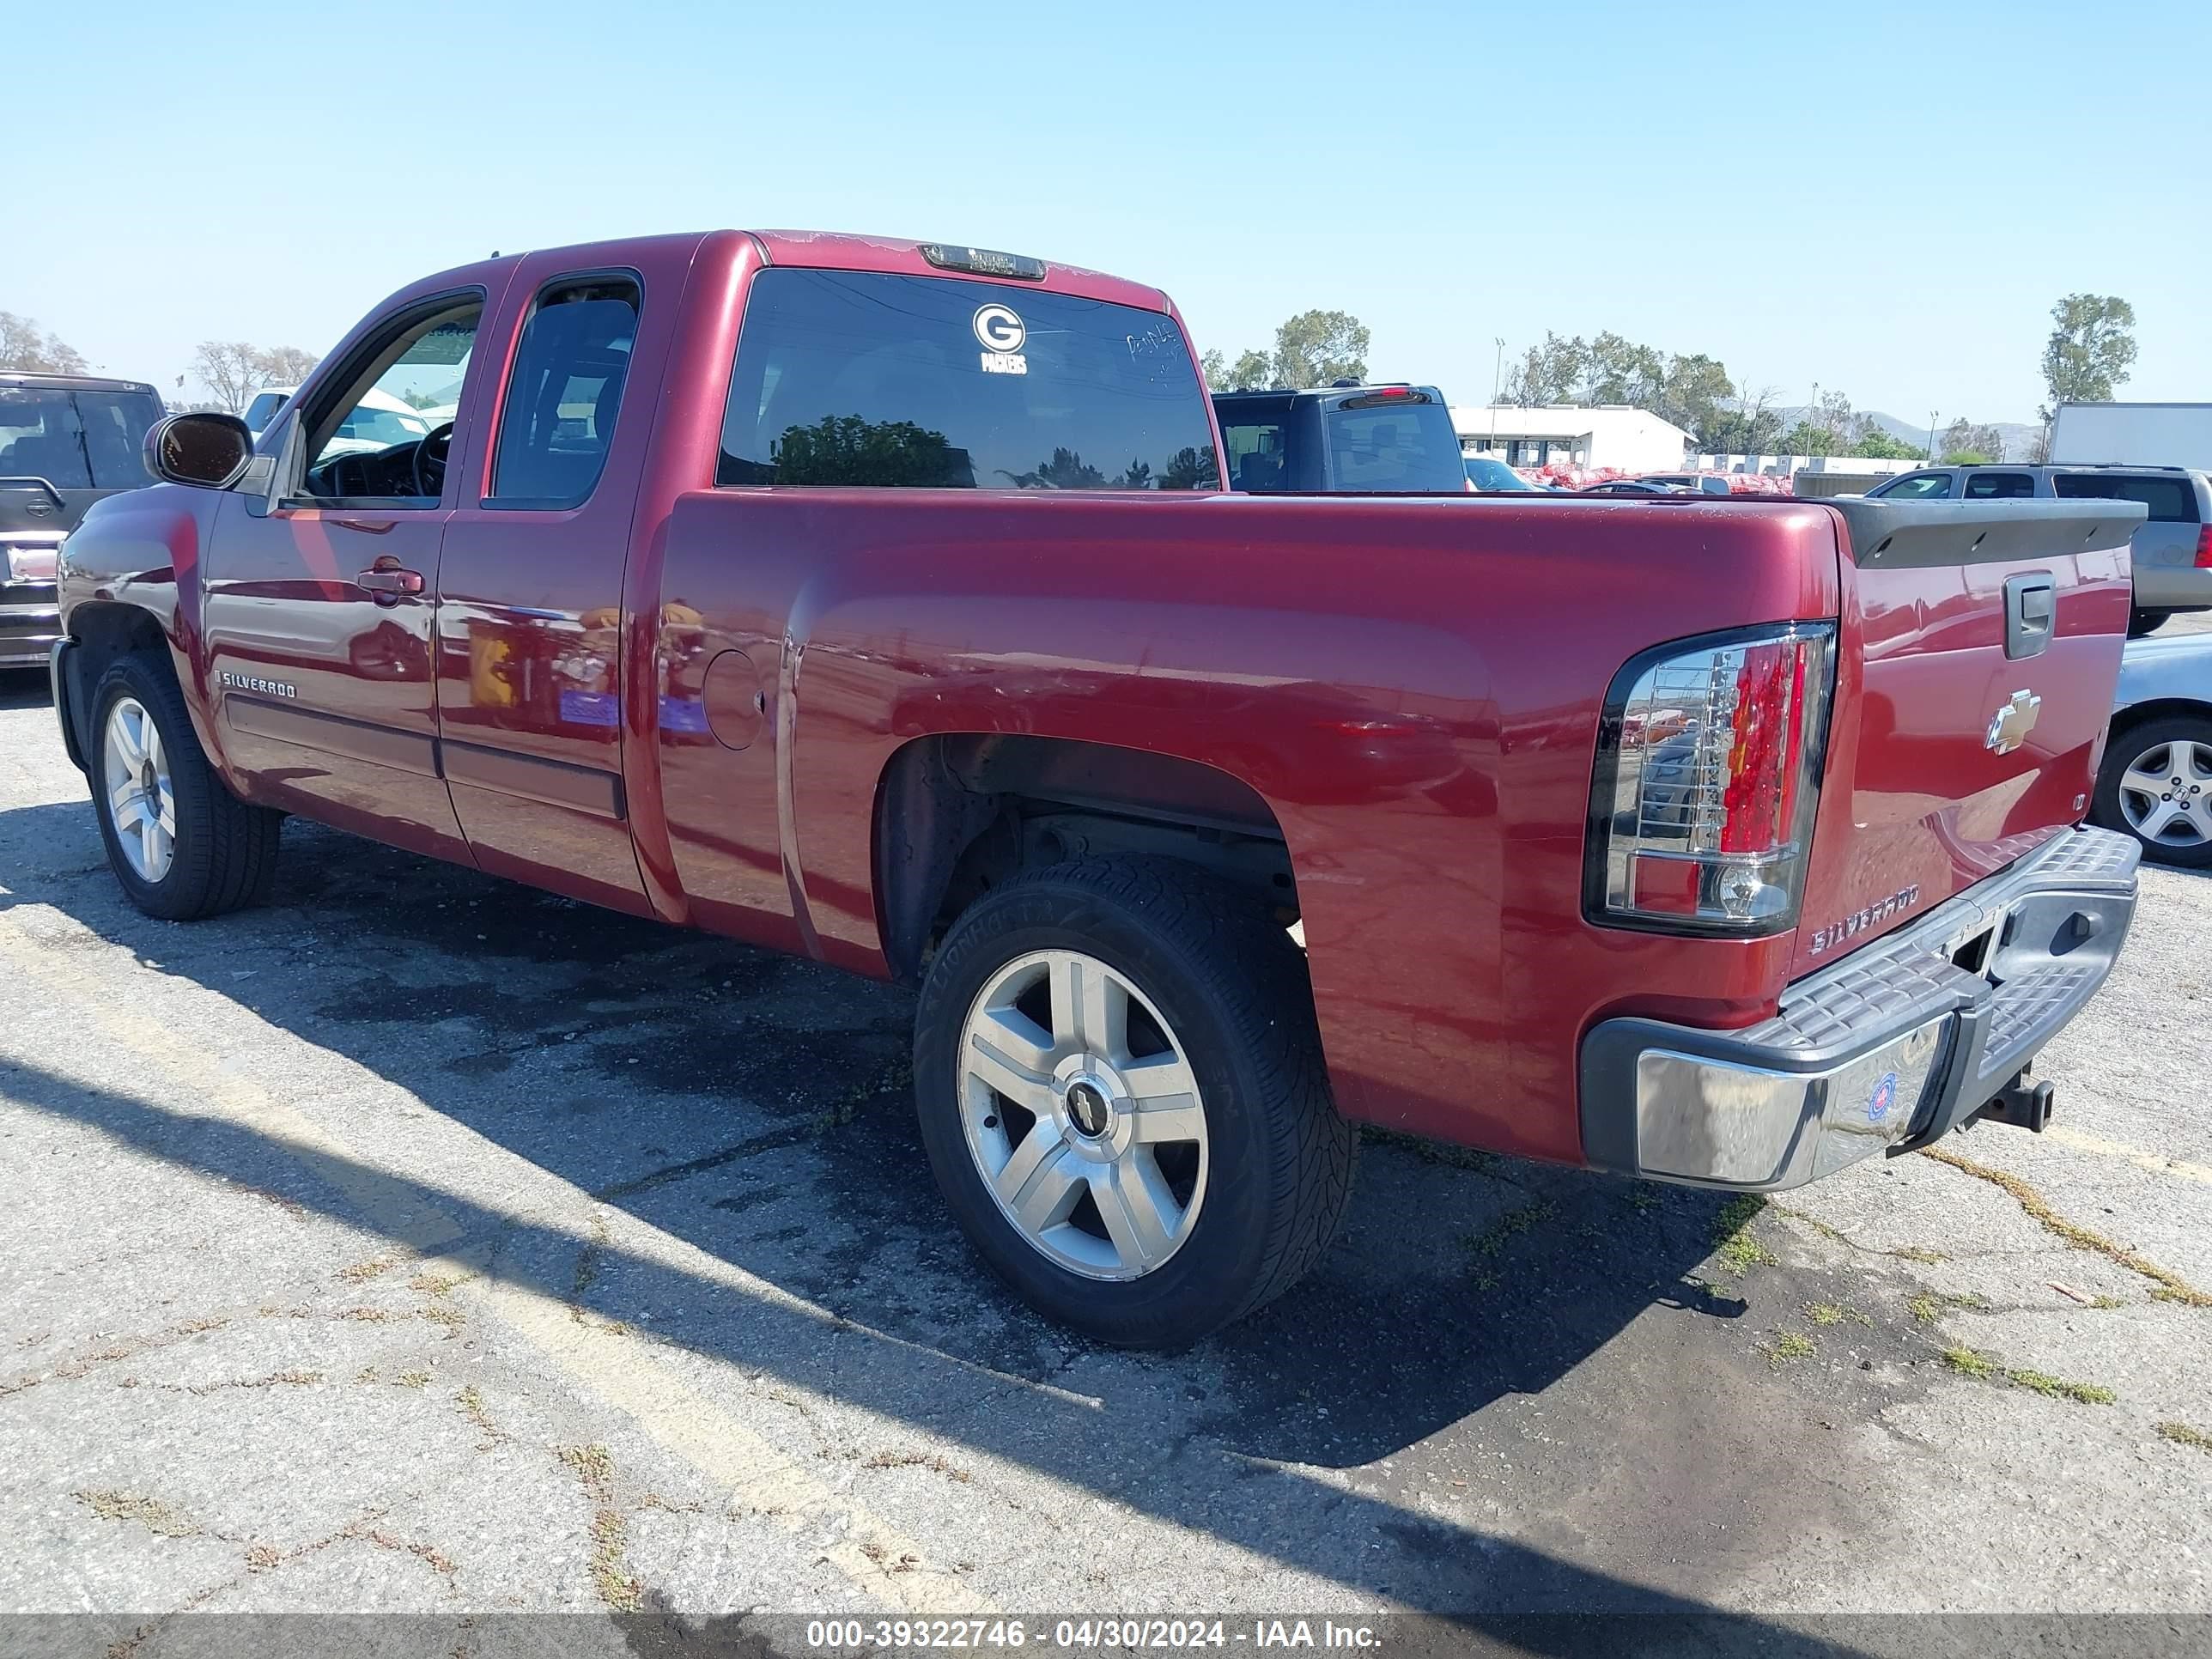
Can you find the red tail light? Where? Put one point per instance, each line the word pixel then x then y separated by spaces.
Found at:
pixel 1708 769
pixel 2204 547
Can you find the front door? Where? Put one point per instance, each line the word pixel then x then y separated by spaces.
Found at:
pixel 319 597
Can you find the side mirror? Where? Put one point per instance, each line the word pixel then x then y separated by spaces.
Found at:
pixel 207 449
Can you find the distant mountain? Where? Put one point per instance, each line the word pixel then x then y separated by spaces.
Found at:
pixel 2017 435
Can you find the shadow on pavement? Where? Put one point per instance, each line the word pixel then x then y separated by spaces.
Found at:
pixel 759 1108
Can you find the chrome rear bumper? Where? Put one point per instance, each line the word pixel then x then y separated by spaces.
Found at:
pixel 1883 1051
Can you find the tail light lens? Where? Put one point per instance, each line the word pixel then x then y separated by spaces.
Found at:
pixel 2204 547
pixel 1708 769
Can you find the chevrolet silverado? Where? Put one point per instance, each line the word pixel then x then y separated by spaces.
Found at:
pixel 883 603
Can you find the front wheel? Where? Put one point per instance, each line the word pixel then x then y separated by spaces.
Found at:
pixel 1121 1094
pixel 2156 786
pixel 181 845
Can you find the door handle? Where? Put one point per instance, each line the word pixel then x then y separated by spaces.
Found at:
pixel 367 527
pixel 385 581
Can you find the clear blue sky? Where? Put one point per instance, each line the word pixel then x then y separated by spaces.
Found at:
pixel 1886 200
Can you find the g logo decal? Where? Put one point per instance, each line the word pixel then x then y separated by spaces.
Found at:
pixel 998 328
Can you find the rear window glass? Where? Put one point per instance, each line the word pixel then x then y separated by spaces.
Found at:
pixel 565 391
pixel 75 440
pixel 1998 486
pixel 926 382
pixel 1395 446
pixel 1257 442
pixel 2171 500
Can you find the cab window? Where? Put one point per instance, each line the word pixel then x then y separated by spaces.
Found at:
pixel 1917 487
pixel 380 431
pixel 564 394
pixel 1998 486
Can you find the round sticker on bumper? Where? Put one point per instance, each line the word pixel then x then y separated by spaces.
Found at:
pixel 998 328
pixel 1883 1098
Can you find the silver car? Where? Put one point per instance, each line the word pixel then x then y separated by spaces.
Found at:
pixel 2156 782
pixel 2172 552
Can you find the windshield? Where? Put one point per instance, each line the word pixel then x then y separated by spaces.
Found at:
pixel 75 440
pixel 1486 472
pixel 1394 448
pixel 859 378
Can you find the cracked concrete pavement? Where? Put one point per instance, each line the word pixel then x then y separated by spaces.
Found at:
pixel 422 1244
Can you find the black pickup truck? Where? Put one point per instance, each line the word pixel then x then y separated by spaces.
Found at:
pixel 65 442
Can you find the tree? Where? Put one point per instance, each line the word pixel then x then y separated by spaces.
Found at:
pixel 1965 444
pixel 1547 374
pixel 1251 371
pixel 1751 427
pixel 1614 370
pixel 289 365
pixel 1213 369
pixel 1692 393
pixel 26 349
pixel 1316 347
pixel 2091 348
pixel 235 370
pixel 1880 445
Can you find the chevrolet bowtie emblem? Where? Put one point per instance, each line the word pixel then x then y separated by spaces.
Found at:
pixel 2010 725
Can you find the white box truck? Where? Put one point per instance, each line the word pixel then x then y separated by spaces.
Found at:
pixel 2132 435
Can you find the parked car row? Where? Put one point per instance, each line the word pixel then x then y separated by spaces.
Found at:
pixel 2171 553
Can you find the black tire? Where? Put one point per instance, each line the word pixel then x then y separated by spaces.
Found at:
pixel 2141 622
pixel 2123 749
pixel 1232 989
pixel 225 851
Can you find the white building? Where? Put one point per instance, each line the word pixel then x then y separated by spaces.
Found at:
pixel 1617 435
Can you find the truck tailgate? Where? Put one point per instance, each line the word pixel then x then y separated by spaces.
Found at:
pixel 1980 645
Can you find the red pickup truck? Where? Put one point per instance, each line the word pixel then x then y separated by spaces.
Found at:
pixel 883 603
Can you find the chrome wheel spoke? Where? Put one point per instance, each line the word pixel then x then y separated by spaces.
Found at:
pixel 1040 1187
pixel 2198 816
pixel 125 801
pixel 2139 780
pixel 167 815
pixel 1134 1202
pixel 2189 764
pixel 2154 821
pixel 1090 1006
pixel 1029 1090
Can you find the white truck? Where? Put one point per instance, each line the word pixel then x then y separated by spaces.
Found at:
pixel 2132 435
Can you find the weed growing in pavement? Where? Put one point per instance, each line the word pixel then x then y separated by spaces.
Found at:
pixel 2183 1435
pixel 1967 1363
pixel 1738 1251
pixel 2172 1287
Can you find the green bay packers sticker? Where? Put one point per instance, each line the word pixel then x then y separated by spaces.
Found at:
pixel 1001 332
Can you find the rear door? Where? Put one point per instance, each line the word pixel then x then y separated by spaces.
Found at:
pixel 530 593
pixel 1973 698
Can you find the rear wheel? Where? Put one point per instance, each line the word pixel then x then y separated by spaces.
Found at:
pixel 2157 787
pixel 181 845
pixel 1122 1094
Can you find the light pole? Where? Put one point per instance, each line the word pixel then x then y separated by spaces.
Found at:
pixel 1932 416
pixel 1497 387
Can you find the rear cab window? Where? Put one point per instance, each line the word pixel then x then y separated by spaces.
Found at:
pixel 888 381
pixel 564 392
pixel 1393 442
pixel 2169 499
pixel 1999 486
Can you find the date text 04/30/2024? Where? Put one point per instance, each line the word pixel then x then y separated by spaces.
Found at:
pixel 1082 1635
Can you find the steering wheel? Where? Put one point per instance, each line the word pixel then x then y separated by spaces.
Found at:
pixel 427 462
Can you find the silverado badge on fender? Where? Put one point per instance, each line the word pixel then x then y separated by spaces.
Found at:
pixel 2014 720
